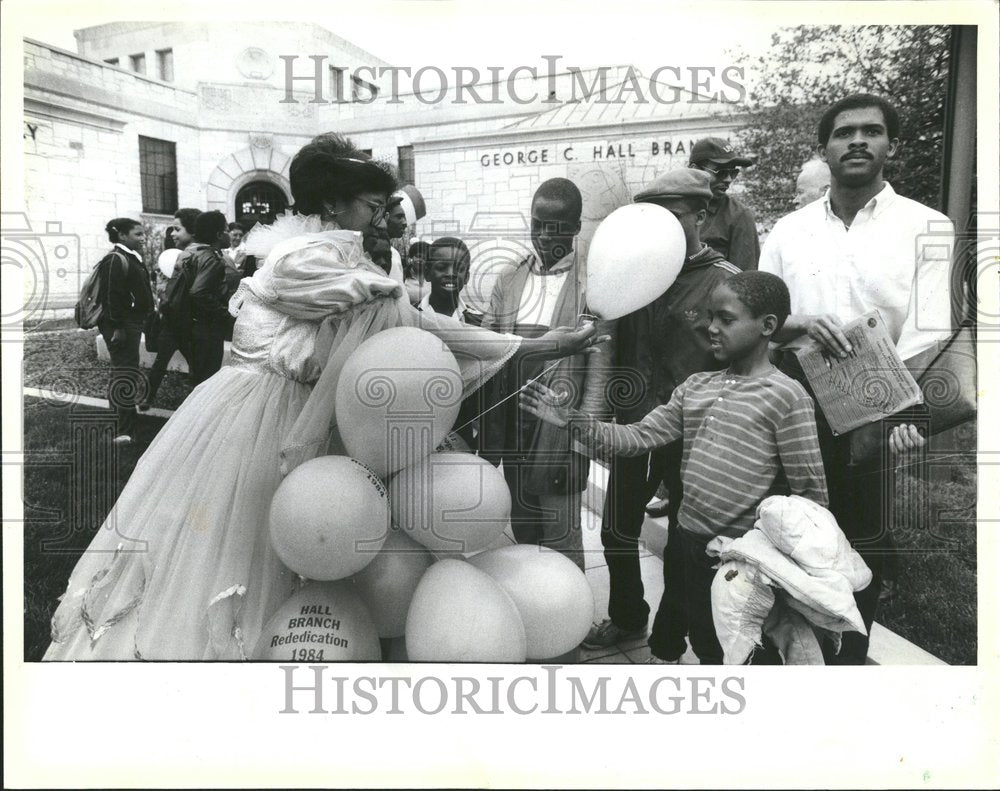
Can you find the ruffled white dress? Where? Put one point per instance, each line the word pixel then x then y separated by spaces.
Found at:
pixel 183 568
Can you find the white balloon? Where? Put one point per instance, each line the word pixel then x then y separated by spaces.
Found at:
pixel 386 585
pixel 552 595
pixel 460 614
pixel 397 397
pixel 323 622
pixel 451 502
pixel 635 255
pixel 329 518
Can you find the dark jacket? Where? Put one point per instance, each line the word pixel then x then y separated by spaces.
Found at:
pixel 206 273
pixel 126 293
pixel 659 346
pixel 550 465
pixel 731 229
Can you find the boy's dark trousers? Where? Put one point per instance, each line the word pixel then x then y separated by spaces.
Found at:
pixel 207 346
pixel 698 573
pixel 667 637
pixel 126 385
pixel 168 344
pixel 631 484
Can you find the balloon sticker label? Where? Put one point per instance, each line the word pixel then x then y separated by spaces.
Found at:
pixel 311 616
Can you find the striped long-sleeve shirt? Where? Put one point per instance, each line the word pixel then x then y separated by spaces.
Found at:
pixel 744 439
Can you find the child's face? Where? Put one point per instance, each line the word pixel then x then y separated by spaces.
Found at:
pixel 444 274
pixel 734 332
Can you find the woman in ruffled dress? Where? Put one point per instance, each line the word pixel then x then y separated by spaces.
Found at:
pixel 182 568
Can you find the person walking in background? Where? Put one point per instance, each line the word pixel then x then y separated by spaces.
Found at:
pixel 730 228
pixel 174 335
pixel 205 270
pixel 236 253
pixel 127 300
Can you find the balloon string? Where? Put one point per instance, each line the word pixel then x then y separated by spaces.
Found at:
pixel 507 398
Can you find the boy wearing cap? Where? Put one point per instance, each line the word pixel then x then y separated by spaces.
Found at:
pixel 656 348
pixel 730 227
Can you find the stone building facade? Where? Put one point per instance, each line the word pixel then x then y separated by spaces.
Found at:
pixel 149 117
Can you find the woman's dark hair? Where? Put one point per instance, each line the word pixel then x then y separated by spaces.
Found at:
pixel 209 225
pixel 118 227
pixel 187 218
pixel 331 167
pixel 168 239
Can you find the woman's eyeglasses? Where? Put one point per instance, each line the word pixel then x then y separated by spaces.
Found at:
pixel 379 210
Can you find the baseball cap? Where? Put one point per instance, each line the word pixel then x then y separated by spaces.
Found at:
pixel 715 149
pixel 679 183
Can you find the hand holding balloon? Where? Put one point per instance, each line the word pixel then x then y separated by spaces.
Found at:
pixel 546 404
pixel 564 342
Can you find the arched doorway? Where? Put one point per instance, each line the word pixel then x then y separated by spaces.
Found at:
pixel 260 201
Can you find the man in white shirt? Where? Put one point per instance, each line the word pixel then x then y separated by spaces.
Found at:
pixel 862 247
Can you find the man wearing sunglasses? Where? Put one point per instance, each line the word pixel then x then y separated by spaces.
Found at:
pixel 731 228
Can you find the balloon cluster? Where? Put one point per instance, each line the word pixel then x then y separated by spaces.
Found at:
pixel 396 538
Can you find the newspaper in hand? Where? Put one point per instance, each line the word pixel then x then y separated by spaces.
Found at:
pixel 869 384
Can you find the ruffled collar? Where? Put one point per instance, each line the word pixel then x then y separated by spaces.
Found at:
pixel 262 239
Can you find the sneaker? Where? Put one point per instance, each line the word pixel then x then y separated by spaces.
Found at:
pixel 658 508
pixel 655 660
pixel 122 439
pixel 605 634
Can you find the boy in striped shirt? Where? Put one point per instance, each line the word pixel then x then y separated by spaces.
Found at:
pixel 748 432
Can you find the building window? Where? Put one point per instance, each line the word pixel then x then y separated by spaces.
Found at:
pixel 336 84
pixel 362 91
pixel 158 174
pixel 407 171
pixel 111 61
pixel 138 63
pixel 165 64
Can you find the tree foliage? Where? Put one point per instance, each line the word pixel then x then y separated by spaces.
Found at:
pixel 808 68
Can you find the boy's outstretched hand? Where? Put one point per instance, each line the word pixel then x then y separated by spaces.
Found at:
pixel 546 404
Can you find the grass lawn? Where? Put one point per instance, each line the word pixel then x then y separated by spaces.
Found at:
pixel 66 362
pixel 73 474
pixel 68 493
